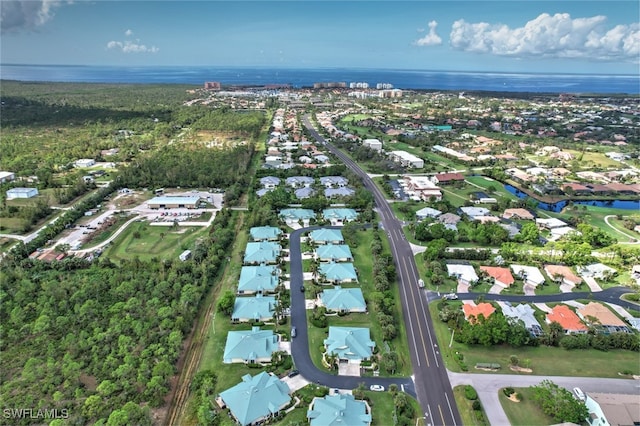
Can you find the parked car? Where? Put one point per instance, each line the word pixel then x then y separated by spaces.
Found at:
pixel 579 394
pixel 450 296
pixel 302 288
pixel 293 373
pixel 293 331
pixel 376 388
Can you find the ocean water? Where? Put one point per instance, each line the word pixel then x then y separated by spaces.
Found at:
pixel 402 79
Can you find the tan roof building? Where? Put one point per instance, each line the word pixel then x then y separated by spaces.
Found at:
pixel 613 409
pixel 565 274
pixel 601 313
pixel 523 214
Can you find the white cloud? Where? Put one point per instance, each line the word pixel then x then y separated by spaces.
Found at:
pixel 18 15
pixel 431 39
pixel 129 46
pixel 128 33
pixel 555 36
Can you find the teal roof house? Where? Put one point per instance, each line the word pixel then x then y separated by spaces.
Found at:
pixel 337 272
pixel 258 308
pixel 350 343
pixel 343 299
pixel 258 279
pixel 339 216
pixel 334 253
pixel 326 236
pixel 256 398
pixel 339 410
pixel 250 346
pixel 265 233
pixel 294 216
pixel 261 252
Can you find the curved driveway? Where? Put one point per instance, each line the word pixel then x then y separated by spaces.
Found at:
pixel 431 382
pixel 300 344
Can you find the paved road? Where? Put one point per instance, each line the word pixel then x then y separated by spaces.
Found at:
pixel 489 385
pixel 300 344
pixel 432 384
pixel 610 295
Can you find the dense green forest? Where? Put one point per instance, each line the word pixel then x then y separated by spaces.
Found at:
pixel 91 338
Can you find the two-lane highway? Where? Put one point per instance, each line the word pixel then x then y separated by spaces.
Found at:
pixel 431 381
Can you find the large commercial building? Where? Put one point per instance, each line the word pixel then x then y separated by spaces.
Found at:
pixel 7 177
pixel 173 202
pixel 407 159
pixel 22 193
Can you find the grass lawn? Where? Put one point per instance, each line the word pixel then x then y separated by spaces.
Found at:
pixel 526 412
pixel 11 225
pixel 545 361
pixel 467 414
pixel 153 242
pixel 499 190
pixel 363 264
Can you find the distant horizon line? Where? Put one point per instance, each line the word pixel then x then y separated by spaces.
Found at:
pixel 276 67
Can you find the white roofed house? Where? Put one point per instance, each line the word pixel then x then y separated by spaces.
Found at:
pixel 465 274
pixel 530 275
pixel 427 212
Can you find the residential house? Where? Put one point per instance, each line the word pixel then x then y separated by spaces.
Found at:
pixel 351 344
pixel 463 273
pixel 449 220
pixel 339 216
pixel 269 182
pixel 326 236
pixel 21 193
pixel 608 409
pixel 333 181
pixel 7 177
pixel 302 193
pixel 253 346
pixel 256 398
pixel 265 233
pixel 339 409
pixel 473 212
pixel 338 272
pixel 568 319
pixel 522 214
pixel 342 299
pixel 530 275
pixel 597 270
pixel 299 181
pixel 334 253
pixel 550 223
pixel 85 162
pixel 501 276
pixel 258 308
pixel 427 212
pixel 294 216
pixel 258 279
pixel 472 311
pixel 420 188
pixel 601 317
pixel 563 274
pixel 262 252
pixel 524 313
pixel 576 189
pixel 557 233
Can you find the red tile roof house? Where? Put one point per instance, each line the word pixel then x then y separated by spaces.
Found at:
pixel 501 276
pixel 472 312
pixel 568 319
pixel 522 214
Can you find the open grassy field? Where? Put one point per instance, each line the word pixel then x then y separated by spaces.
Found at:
pixel 543 360
pixel 147 242
pixel 498 188
pixel 526 412
pixel 590 159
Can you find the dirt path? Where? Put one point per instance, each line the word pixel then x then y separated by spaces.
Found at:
pixel 189 361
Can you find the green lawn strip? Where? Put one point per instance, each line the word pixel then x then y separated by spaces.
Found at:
pixel 484 182
pixel 449 284
pixel 11 225
pixel 526 412
pixel 545 361
pixel 383 409
pixel 154 242
pixel 465 408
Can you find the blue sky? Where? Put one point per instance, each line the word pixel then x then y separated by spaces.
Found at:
pixel 506 36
